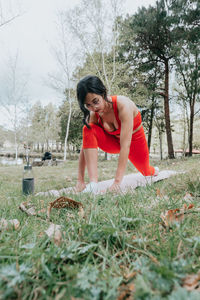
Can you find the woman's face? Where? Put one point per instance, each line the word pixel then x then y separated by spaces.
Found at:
pixel 94 102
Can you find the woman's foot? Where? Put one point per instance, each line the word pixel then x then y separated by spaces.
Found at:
pixel 156 171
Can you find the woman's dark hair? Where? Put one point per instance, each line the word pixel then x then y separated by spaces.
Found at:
pixel 89 84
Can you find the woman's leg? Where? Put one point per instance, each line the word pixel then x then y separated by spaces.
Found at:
pixel 95 138
pixel 139 154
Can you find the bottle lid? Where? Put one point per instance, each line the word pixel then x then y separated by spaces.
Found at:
pixel 29 167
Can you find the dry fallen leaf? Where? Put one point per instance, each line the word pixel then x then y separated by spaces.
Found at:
pixel 188 197
pixel 171 216
pixel 81 212
pixel 127 274
pixel 9 224
pixel 130 275
pixel 3 224
pixel 27 208
pixel 159 193
pixel 43 210
pixel 65 202
pixel 68 179
pixel 41 234
pixel 154 259
pixel 192 282
pixel 15 223
pixel 55 232
pixel 126 291
pixel 175 215
pixel 190 206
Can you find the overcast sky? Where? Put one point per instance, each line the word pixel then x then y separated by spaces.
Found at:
pixel 32 35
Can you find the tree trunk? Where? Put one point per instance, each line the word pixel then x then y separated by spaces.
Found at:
pixel 47 142
pixel 185 126
pixel 184 136
pixel 160 140
pixel 167 113
pixel 16 147
pixel 69 151
pixel 150 126
pixel 191 127
pixel 68 124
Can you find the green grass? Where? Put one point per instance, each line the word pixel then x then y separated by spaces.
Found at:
pixel 119 236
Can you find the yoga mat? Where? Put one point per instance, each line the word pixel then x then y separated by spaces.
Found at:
pixel 129 183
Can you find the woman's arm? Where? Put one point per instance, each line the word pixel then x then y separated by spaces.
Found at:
pixel 82 163
pixel 126 111
pixel 81 166
pixel 81 173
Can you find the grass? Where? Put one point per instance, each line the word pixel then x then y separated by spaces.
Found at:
pixel 118 251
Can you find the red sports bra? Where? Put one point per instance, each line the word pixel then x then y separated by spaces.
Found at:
pixel 136 122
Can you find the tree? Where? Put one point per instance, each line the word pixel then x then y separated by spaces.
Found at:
pixel 5 135
pixel 187 63
pixel 6 13
pixel 75 134
pixel 25 126
pixel 14 96
pixel 159 123
pixel 65 54
pixel 157 37
pixel 95 26
pixel 37 120
pixel 2 136
pixel 181 101
pixel 51 125
pixel 143 70
pixel 44 125
pixel 152 77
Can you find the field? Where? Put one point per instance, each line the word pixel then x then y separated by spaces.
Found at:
pixel 120 249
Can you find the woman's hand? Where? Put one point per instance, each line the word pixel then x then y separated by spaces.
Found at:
pixel 80 186
pixel 115 187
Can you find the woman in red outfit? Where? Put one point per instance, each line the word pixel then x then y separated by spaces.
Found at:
pixel 113 124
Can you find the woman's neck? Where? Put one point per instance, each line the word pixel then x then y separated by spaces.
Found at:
pixel 108 105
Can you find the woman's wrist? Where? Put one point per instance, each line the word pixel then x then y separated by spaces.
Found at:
pixel 117 181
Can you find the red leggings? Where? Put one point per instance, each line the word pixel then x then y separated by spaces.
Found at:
pixel 139 154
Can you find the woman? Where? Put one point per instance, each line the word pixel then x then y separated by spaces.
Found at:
pixel 113 124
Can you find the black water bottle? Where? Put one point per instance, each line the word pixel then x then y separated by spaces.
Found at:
pixel 28 180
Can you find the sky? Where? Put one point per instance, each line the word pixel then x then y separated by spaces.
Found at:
pixel 31 36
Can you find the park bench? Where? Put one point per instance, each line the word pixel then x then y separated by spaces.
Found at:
pixel 186 152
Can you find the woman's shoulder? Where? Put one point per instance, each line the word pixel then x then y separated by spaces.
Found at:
pixel 123 98
pixel 124 101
